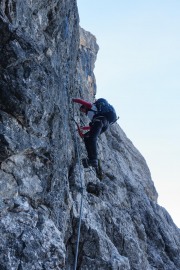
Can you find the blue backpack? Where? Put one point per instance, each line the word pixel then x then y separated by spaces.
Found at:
pixel 105 109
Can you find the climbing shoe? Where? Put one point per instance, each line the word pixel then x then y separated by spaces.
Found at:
pixel 89 162
pixel 85 163
pixel 93 163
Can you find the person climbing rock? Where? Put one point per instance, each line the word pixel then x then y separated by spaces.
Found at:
pixel 101 114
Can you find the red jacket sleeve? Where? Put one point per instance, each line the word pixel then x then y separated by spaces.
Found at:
pixel 88 105
pixel 85 128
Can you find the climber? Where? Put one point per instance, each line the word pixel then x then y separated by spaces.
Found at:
pixel 101 114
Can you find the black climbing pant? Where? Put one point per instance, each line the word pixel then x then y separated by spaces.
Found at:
pixel 98 126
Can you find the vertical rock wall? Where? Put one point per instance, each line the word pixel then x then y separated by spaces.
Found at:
pixel 46 60
pixel 39 47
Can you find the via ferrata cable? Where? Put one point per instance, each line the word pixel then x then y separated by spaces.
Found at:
pixel 81 203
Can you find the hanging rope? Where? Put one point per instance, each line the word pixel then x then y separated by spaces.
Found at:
pixel 81 204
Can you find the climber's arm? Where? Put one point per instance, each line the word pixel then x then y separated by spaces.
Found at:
pixel 85 128
pixel 88 105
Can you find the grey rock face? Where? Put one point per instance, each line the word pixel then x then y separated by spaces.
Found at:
pixel 46 60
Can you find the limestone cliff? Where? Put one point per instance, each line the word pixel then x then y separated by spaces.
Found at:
pixel 46 60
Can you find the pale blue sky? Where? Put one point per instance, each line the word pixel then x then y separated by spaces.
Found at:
pixel 138 71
